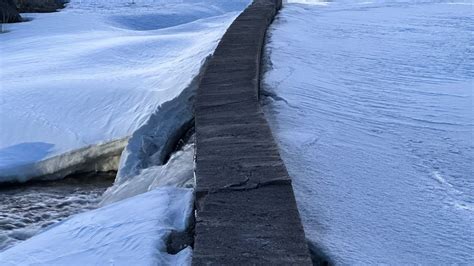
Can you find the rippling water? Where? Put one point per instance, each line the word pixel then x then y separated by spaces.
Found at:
pixel 29 208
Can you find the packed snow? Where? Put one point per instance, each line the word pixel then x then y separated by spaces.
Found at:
pixel 130 232
pixel 372 105
pixel 93 73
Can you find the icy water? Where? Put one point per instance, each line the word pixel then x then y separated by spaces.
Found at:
pixel 372 106
pixel 27 209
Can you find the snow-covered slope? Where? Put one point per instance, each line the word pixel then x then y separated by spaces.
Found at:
pixel 94 73
pixel 372 105
pixel 130 232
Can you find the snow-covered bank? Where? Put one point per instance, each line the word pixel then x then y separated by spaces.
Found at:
pixel 95 72
pixel 130 232
pixel 143 164
pixel 152 143
pixel 102 157
pixel 28 208
pixel 372 105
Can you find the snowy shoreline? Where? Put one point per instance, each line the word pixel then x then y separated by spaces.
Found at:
pixel 109 74
pixel 133 231
pixel 94 158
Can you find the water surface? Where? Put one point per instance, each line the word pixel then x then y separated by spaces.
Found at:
pixel 26 209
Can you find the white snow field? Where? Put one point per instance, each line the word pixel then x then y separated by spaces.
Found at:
pixel 372 105
pixel 129 232
pixel 75 84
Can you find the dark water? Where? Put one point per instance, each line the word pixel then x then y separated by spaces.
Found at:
pixel 27 209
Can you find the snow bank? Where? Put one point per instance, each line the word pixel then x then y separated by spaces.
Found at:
pixel 156 139
pixel 143 160
pixel 130 232
pixel 94 73
pixel 372 106
pixel 143 166
pixel 101 157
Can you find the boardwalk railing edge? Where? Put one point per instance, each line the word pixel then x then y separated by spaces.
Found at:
pixel 246 210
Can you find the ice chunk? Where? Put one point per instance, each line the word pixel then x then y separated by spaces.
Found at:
pixel 177 172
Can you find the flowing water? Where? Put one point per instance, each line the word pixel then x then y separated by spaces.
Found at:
pixel 27 209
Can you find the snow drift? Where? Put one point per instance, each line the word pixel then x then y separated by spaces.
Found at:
pixel 144 161
pixel 371 104
pixel 93 74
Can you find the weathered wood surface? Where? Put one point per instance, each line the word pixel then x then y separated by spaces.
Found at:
pixel 245 207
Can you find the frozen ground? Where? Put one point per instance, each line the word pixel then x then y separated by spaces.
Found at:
pixel 94 73
pixel 372 105
pixel 129 232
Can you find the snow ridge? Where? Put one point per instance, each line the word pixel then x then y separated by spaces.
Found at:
pixel 152 143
